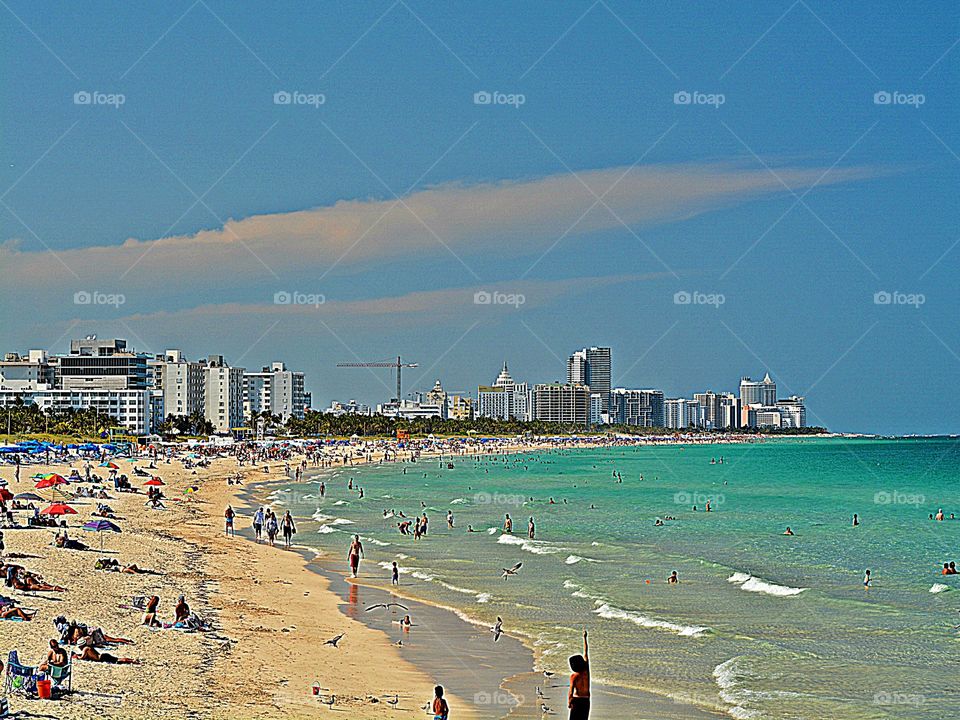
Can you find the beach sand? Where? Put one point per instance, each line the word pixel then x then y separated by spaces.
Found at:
pixel 272 616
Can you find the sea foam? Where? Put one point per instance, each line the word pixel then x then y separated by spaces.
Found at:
pixel 939 588
pixel 605 610
pixel 754 584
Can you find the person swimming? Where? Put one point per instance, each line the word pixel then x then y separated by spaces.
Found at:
pixel 674 579
pixel 788 531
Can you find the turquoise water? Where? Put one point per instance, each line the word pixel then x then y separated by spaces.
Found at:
pixel 761 625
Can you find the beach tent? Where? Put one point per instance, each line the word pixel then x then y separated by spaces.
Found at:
pixel 100 527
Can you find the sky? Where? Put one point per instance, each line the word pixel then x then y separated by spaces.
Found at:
pixel 711 189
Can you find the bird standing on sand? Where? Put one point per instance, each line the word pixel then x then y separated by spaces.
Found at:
pixel 334 640
pixel 511 571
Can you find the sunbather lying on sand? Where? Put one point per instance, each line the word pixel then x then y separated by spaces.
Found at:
pixel 89 652
pixel 71 633
pixel 20 579
pixel 15 613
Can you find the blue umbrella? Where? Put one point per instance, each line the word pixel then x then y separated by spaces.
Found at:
pixel 100 527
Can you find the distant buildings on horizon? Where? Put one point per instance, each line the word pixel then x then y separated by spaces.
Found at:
pixel 588 398
pixel 140 390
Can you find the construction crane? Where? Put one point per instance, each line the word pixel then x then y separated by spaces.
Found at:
pixel 385 364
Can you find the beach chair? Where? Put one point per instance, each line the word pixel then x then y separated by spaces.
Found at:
pixel 4 708
pixel 62 677
pixel 137 602
pixel 20 678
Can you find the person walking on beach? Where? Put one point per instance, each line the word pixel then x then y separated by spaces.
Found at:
pixel 258 525
pixel 273 527
pixel 354 555
pixel 441 711
pixel 395 579
pixel 578 698
pixel 288 528
pixel 531 529
pixel 228 516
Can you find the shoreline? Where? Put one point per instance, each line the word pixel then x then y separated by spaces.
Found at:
pixel 618 699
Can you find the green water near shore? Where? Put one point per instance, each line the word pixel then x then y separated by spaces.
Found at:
pixel 761 624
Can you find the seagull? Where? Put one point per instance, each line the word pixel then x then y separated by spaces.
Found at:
pixel 387 605
pixel 497 629
pixel 511 571
pixel 539 692
pixel 544 710
pixel 547 673
pixel 399 643
pixel 396 699
pixel 334 640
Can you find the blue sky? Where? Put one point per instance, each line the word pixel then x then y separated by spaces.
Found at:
pixel 784 189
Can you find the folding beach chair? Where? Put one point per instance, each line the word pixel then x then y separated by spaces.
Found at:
pixel 20 678
pixel 62 677
pixel 4 708
pixel 137 602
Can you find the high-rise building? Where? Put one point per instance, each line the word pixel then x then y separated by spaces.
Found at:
pixel 223 394
pixel 459 407
pixel 675 413
pixel 709 403
pixel 643 408
pixel 752 392
pixel 591 366
pixel 562 403
pixel 275 390
pixel 178 382
pixel 793 412
pixel 505 399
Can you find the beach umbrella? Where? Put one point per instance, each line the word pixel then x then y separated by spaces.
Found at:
pixel 28 496
pixel 58 509
pixel 51 480
pixel 112 466
pixel 100 527
pixel 154 482
pixel 5 495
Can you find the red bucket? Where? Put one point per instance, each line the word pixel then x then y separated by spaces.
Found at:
pixel 44 689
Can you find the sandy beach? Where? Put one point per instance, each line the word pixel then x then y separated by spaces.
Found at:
pixel 271 616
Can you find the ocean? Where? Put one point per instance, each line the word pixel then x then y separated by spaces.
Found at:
pixel 761 624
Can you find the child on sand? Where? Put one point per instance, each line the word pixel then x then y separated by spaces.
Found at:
pixel 440 709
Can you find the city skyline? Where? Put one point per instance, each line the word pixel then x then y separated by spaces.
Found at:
pixel 568 176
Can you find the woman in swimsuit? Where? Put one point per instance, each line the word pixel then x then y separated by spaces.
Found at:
pixel 354 555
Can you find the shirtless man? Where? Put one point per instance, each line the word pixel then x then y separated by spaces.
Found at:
pixel 507 524
pixel 578 698
pixel 354 555
pixel 57 657
pixel 531 529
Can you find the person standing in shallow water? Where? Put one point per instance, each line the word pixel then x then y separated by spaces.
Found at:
pixel 578 698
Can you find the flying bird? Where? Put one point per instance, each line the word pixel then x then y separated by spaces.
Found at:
pixel 334 640
pixel 497 629
pixel 511 571
pixel 387 605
